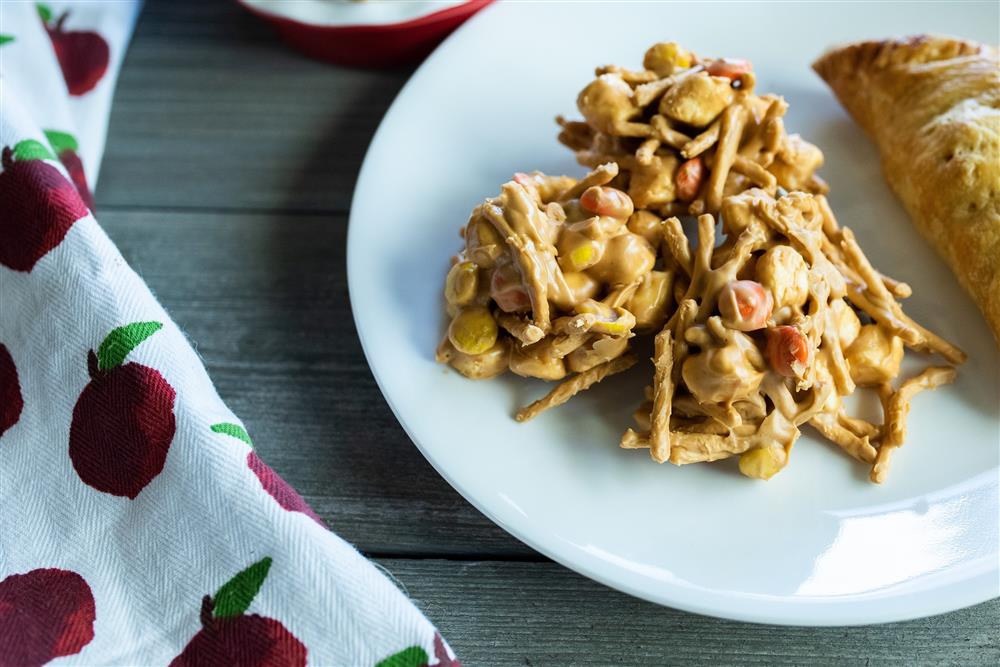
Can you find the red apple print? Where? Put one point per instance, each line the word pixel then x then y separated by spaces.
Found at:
pixel 231 637
pixel 441 653
pixel 276 487
pixel 83 56
pixel 416 656
pixel 123 422
pixel 37 205
pixel 44 614
pixel 65 146
pixel 11 401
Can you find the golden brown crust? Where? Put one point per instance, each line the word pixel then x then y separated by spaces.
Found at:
pixel 932 105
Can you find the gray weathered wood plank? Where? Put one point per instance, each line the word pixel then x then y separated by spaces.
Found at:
pixel 263 298
pixel 542 614
pixel 211 110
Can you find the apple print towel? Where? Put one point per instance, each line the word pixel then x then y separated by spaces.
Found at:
pixel 137 525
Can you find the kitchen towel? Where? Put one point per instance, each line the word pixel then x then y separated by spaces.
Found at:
pixel 137 524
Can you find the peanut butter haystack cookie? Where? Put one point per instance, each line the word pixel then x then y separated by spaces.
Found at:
pixel 755 334
pixel 687 131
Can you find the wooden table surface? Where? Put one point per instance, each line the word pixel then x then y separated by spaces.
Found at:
pixel 226 183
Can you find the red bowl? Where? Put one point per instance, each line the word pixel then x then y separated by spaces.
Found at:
pixel 371 45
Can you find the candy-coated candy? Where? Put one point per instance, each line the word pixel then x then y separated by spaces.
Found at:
pixel 602 200
pixel 665 58
pixel 473 330
pixel 689 177
pixel 483 243
pixel 763 462
pixel 787 351
pixel 730 68
pixel 508 291
pixel 461 284
pixel 745 305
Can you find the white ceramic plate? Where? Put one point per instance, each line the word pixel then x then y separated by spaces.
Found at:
pixel 818 544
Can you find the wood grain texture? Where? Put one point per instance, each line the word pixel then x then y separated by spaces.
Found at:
pixel 226 180
pixel 213 111
pixel 542 614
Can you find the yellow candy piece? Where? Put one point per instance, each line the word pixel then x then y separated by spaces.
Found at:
pixel 582 255
pixel 763 462
pixel 483 244
pixel 473 331
pixel 666 58
pixel 461 283
pixel 577 252
pixel 612 328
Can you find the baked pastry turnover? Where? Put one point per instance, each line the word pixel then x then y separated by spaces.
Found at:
pixel 932 106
